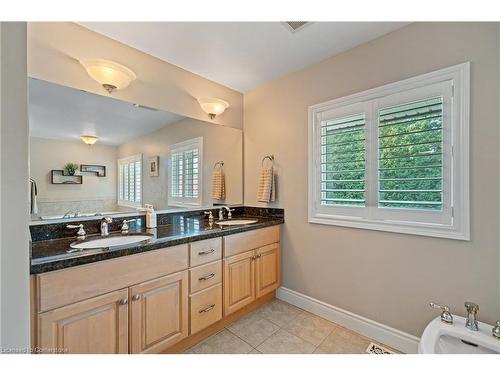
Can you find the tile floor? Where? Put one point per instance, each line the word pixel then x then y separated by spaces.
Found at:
pixel 280 328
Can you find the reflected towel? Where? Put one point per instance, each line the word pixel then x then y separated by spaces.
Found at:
pixel 218 185
pixel 267 186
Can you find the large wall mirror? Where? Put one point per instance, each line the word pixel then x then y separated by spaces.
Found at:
pixel 141 156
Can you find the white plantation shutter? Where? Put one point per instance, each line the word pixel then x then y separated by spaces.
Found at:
pixel 411 155
pixel 185 173
pixel 394 158
pixel 343 145
pixel 130 181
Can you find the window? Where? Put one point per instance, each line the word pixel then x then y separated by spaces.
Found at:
pixel 394 158
pixel 185 173
pixel 130 181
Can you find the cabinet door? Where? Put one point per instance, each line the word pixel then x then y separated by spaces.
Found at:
pixel 159 313
pixel 94 326
pixel 239 284
pixel 267 269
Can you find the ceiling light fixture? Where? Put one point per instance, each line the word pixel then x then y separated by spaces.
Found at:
pixel 111 75
pixel 89 139
pixel 213 106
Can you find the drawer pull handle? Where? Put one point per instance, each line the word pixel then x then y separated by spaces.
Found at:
pixel 206 309
pixel 137 297
pixel 123 301
pixel 206 252
pixel 206 277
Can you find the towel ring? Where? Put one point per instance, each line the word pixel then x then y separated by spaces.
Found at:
pixel 270 157
pixel 221 163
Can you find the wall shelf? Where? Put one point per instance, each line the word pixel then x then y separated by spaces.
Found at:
pixel 98 170
pixel 60 177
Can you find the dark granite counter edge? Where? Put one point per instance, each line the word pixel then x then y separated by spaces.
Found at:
pixel 157 244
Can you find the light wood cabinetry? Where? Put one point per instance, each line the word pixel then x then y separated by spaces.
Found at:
pixel 267 269
pixel 96 325
pixel 239 284
pixel 150 302
pixel 206 308
pixel 252 267
pixel 205 300
pixel 159 313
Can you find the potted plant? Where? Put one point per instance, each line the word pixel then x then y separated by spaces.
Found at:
pixel 71 168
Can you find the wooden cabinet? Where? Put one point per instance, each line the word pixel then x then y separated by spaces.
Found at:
pixel 206 308
pixel 147 303
pixel 267 269
pixel 252 266
pixel 239 283
pixel 96 325
pixel 159 313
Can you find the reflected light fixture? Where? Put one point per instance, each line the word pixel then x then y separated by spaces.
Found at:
pixel 89 139
pixel 213 106
pixel 111 75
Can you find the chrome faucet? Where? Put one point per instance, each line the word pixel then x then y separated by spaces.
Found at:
pixel 125 225
pixel 471 318
pixel 104 225
pixel 229 212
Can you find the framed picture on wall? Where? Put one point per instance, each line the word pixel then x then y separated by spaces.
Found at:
pixel 154 166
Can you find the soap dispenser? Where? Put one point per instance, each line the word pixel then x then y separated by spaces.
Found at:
pixel 150 216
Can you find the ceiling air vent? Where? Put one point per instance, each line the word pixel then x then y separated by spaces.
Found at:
pixel 294 26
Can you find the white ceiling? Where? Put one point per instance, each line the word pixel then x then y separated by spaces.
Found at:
pixel 242 55
pixel 64 113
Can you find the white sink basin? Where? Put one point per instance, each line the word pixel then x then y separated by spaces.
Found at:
pixel 442 338
pixel 236 222
pixel 109 242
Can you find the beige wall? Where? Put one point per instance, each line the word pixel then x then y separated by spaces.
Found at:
pixel 219 143
pixel 48 154
pixel 55 47
pixel 14 236
pixel 387 277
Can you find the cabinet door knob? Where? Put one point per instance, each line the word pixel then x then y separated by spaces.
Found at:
pixel 137 297
pixel 206 309
pixel 206 277
pixel 205 252
pixel 123 301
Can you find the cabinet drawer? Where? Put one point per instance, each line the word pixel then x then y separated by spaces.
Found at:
pixel 205 251
pixel 240 242
pixel 205 276
pixel 63 287
pixel 206 308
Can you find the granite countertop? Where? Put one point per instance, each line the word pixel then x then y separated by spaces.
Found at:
pixel 50 255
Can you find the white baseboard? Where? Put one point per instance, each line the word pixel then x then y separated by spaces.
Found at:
pixel 392 337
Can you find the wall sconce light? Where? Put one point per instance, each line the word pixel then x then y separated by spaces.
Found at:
pixel 89 139
pixel 111 75
pixel 213 106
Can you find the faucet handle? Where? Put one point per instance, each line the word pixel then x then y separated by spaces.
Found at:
pixel 495 331
pixel 125 225
pixel 210 215
pixel 446 316
pixel 229 214
pixel 80 235
pixel 471 306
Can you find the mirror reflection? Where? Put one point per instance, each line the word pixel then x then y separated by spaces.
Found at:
pixel 96 155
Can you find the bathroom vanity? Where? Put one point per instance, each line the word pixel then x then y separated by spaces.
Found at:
pixel 163 295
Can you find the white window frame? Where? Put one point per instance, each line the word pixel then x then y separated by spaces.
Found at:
pixel 128 160
pixel 453 222
pixel 180 147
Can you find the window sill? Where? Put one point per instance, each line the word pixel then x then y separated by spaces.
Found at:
pixel 440 231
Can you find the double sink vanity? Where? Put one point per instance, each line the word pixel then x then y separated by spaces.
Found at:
pixel 150 290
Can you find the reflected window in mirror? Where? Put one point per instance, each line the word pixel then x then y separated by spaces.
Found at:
pixel 130 181
pixel 185 173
